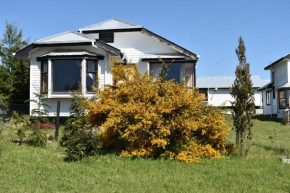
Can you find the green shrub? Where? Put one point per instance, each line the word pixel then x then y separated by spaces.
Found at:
pixel 37 138
pixel 78 139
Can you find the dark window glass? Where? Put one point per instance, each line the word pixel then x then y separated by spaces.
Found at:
pixel 107 37
pixel 273 77
pixel 268 98
pixel 66 75
pixel 44 77
pixel 284 99
pixel 92 69
pixel 203 94
pixel 173 73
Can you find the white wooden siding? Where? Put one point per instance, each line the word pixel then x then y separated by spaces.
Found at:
pixel 35 78
pixel 222 97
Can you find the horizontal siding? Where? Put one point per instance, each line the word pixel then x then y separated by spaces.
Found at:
pixel 35 78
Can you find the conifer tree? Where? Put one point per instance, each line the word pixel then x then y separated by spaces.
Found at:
pixel 243 104
pixel 14 77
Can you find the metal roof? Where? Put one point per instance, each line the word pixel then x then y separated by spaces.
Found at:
pixel 269 85
pixel 111 24
pixel 70 53
pixel 66 37
pixel 164 56
pixel 287 85
pixel 225 81
pixel 277 61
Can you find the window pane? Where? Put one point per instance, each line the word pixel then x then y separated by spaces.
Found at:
pixel 44 83
pixel 44 67
pixel 91 65
pixel 107 37
pixel 282 94
pixel 282 104
pixel 174 72
pixel 66 75
pixel 91 79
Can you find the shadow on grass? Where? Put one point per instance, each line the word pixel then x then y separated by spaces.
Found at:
pixel 266 118
pixel 277 150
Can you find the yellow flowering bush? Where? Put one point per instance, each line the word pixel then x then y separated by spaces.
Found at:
pixel 139 116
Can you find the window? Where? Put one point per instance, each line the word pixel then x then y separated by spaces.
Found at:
pixel 176 71
pixel 92 69
pixel 203 94
pixel 66 75
pixel 107 37
pixel 44 77
pixel 273 77
pixel 284 99
pixel 268 98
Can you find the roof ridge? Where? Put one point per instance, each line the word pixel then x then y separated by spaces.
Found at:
pixel 53 36
pixel 63 33
pixel 108 20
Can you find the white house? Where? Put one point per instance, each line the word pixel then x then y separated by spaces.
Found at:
pixel 59 63
pixel 276 95
pixel 216 89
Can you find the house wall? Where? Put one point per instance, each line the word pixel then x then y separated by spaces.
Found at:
pixel 135 44
pixel 222 97
pixel 270 109
pixel 35 78
pixel 281 74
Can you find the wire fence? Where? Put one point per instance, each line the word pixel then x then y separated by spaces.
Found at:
pixel 23 109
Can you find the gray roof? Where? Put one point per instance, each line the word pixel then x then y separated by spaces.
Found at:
pixel 277 61
pixel 164 56
pixel 225 82
pixel 66 37
pixel 111 24
pixel 70 53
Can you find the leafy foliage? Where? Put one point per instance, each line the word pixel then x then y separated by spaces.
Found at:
pixel 14 77
pixel 78 139
pixel 143 117
pixel 243 105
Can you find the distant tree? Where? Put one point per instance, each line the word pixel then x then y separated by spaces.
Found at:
pixel 243 105
pixel 14 77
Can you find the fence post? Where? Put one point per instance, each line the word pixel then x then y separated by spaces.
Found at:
pixel 57 120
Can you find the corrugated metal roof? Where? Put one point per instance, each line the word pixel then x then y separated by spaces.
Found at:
pixel 225 82
pixel 164 56
pixel 111 24
pixel 287 85
pixel 67 37
pixel 269 85
pixel 70 53
pixel 277 61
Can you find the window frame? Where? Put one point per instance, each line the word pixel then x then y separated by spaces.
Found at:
pixel 52 75
pixel 268 98
pixel 42 73
pixel 182 72
pixel 101 34
pixel 287 97
pixel 91 72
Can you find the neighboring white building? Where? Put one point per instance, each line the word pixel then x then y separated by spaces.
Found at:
pixel 277 93
pixel 59 63
pixel 216 89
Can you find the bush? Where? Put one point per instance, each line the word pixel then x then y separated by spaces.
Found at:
pixel 79 140
pixel 30 129
pixel 156 118
pixel 37 138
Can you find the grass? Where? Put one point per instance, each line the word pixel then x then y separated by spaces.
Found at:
pixel 28 169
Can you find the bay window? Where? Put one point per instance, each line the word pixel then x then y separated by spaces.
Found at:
pixel 66 75
pixel 284 99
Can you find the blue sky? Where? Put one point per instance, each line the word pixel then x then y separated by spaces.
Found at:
pixel 208 28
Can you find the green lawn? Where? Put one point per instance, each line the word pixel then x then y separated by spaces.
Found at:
pixel 28 169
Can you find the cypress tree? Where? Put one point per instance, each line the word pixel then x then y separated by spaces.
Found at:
pixel 243 104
